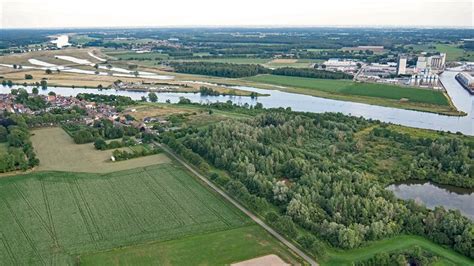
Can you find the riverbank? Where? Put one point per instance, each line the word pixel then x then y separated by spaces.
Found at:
pixel 444 104
pixel 409 98
pixel 75 80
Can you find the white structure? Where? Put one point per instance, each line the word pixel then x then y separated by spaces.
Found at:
pixel 425 78
pixel 336 64
pixel 421 64
pixel 402 65
pixel 435 62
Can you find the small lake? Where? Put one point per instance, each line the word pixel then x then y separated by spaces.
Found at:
pixel 432 195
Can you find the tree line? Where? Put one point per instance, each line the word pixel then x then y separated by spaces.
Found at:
pixel 320 173
pixel 16 150
pixel 230 70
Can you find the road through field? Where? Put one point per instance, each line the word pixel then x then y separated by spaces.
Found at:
pixel 243 209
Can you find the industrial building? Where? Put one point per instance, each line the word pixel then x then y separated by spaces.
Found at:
pixel 435 62
pixel 335 64
pixel 402 65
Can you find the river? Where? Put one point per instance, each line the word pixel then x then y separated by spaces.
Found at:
pixel 432 195
pixel 299 102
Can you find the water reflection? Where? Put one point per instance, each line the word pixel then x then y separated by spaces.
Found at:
pixel 432 195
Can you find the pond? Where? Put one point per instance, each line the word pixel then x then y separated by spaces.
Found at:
pixel 432 195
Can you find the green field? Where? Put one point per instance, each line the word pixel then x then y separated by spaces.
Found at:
pixel 454 53
pixel 57 152
pixel 232 60
pixel 54 217
pixel 220 248
pixel 134 56
pixel 359 89
pixel 448 257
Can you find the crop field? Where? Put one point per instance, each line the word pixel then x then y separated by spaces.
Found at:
pixel 218 248
pixel 57 152
pixel 51 217
pixel 359 89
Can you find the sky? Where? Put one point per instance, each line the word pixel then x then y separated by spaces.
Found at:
pixel 176 13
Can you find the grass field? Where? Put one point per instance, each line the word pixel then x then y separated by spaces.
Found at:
pixel 57 152
pixel 54 217
pixel 221 248
pixel 448 257
pixel 454 53
pixel 360 89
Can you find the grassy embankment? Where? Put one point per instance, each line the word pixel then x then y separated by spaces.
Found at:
pixel 377 94
pixel 346 257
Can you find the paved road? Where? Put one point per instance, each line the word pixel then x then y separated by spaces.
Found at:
pixel 244 210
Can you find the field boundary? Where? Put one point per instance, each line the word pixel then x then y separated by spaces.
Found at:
pixel 274 233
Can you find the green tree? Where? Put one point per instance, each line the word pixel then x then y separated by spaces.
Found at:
pixel 3 134
pixel 100 144
pixel 153 97
pixel 35 91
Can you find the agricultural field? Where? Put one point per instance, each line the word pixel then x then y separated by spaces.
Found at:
pixel 359 89
pixel 219 248
pixel 454 53
pixel 70 214
pixel 57 152
pixel 128 55
pixel 189 114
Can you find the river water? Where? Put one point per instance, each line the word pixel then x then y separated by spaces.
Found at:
pixel 432 195
pixel 299 102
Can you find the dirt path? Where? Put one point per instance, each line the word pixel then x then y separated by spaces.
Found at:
pixel 243 209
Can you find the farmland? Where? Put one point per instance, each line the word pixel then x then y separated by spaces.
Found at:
pixel 70 214
pixel 58 152
pixel 206 249
pixel 377 94
pixel 359 89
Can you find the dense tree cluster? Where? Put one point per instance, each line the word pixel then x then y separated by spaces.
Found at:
pixel 310 73
pixel 139 151
pixel 327 173
pixel 16 152
pixel 101 144
pixel 34 102
pixel 101 129
pixel 219 69
pixel 414 256
pixel 113 100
